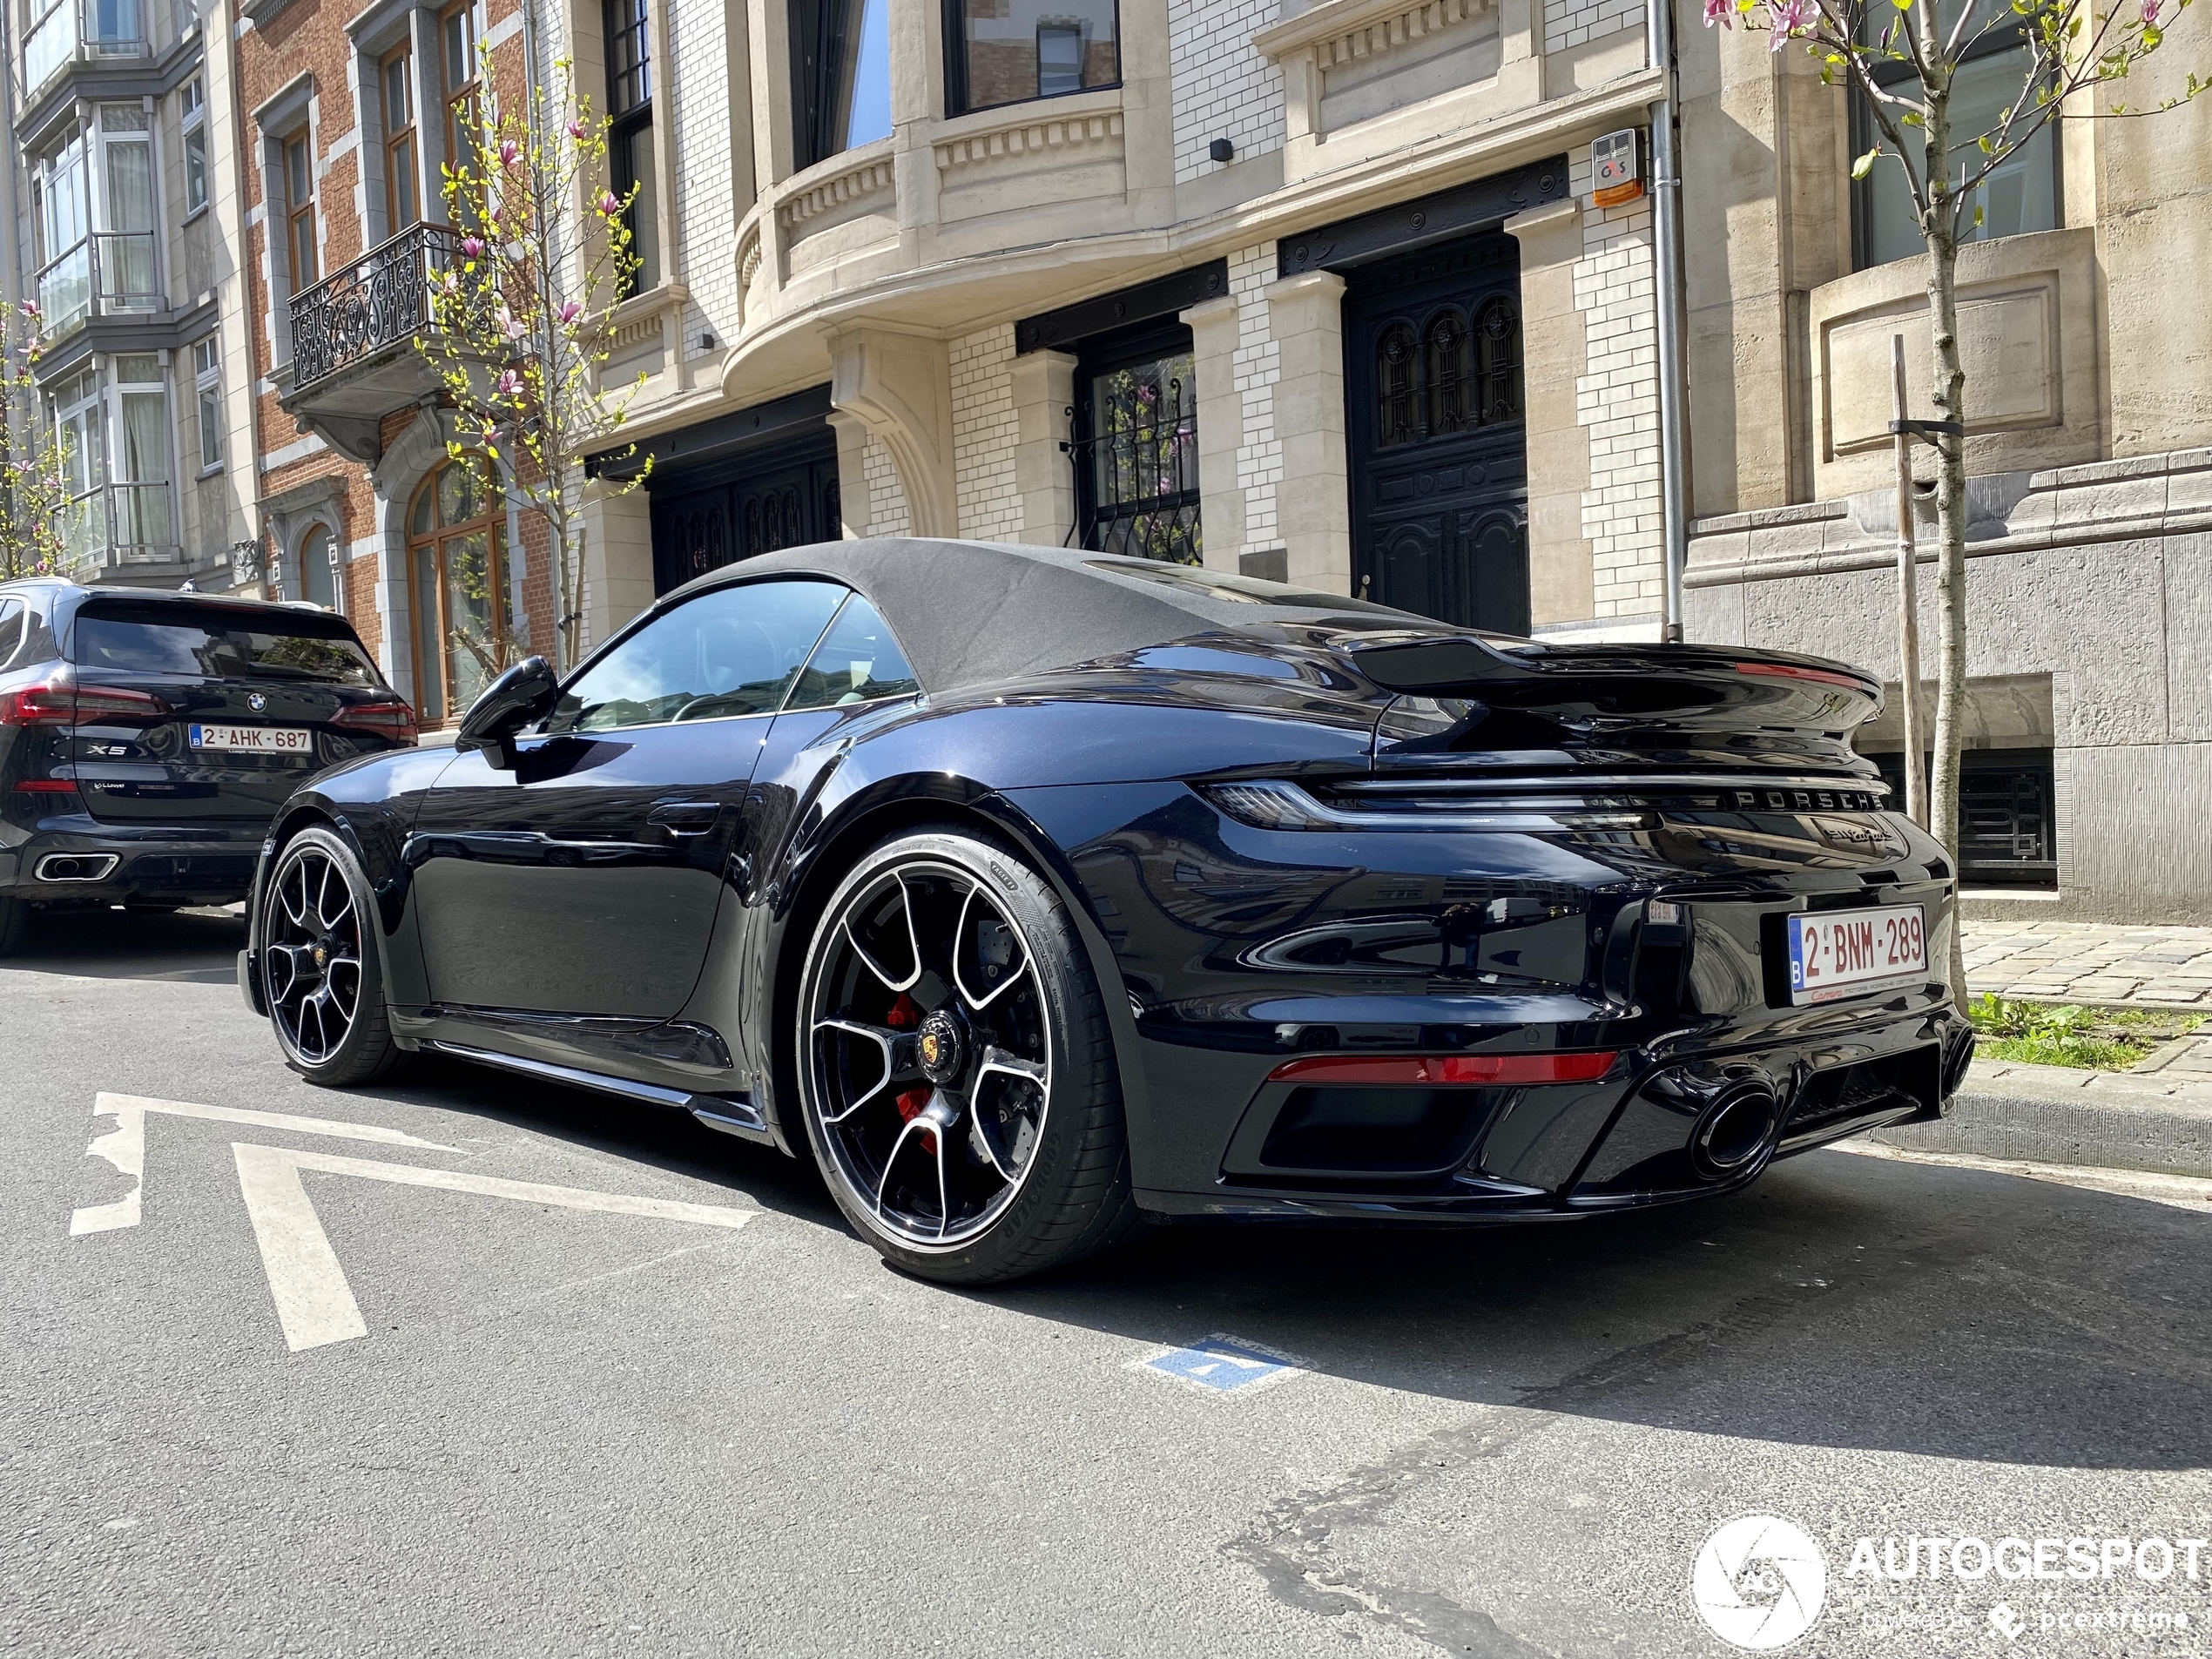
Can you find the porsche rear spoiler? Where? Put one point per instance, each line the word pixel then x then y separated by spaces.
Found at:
pixel 1697 685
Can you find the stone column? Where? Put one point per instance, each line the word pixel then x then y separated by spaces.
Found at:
pixel 855 504
pixel 1313 502
pixel 1221 428
pixel 617 561
pixel 1044 473
pixel 1561 581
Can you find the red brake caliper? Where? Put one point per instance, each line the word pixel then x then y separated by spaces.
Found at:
pixel 906 1014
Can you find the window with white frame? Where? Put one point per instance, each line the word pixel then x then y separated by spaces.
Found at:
pixel 124 210
pixel 140 477
pixel 207 380
pixel 192 118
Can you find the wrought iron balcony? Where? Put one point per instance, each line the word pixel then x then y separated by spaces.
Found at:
pixel 380 300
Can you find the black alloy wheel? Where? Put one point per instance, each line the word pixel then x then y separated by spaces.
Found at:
pixel 956 1072
pixel 321 976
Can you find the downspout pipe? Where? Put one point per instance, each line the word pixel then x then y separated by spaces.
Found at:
pixel 1666 218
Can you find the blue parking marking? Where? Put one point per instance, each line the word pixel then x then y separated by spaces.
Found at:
pixel 1225 1365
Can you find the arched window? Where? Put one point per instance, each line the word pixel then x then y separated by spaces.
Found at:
pixel 457 574
pixel 1497 354
pixel 318 583
pixel 1395 361
pixel 1447 398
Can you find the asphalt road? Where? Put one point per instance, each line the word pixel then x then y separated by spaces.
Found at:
pixel 531 1420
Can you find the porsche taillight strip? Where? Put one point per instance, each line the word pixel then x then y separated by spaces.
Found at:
pixel 1478 1070
pixel 1582 783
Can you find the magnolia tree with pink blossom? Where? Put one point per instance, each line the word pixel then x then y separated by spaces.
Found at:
pixel 1900 59
pixel 517 337
pixel 34 459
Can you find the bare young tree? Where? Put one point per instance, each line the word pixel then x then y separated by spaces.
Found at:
pixel 517 337
pixel 1901 58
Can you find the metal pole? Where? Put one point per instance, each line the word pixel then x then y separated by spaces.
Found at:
pixel 1666 217
pixel 1908 598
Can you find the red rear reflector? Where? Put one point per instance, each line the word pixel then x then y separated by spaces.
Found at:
pixel 1791 671
pixel 395 720
pixel 1498 1070
pixel 48 787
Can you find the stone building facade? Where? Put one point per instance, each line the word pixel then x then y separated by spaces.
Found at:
pixel 122 190
pixel 2089 394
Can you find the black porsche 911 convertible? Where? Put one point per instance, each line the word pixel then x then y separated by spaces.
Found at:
pixel 1033 893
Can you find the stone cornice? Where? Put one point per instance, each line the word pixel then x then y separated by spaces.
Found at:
pixel 1056 134
pixel 1342 30
pixel 872 176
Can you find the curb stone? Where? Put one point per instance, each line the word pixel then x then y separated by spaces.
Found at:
pixel 2158 1122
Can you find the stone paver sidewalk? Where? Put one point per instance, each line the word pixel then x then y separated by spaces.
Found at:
pixel 2090 962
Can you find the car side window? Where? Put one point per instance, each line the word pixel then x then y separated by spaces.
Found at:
pixel 856 662
pixel 11 619
pixel 733 650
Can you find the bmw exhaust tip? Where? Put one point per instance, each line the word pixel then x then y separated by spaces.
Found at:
pixel 1737 1131
pixel 76 867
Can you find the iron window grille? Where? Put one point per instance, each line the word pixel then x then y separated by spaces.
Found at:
pixel 1135 448
pixel 1458 374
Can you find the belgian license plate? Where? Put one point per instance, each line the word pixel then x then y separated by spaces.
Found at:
pixel 1850 953
pixel 256 739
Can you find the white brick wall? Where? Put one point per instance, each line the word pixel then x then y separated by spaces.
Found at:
pixel 1617 404
pixel 886 496
pixel 985 430
pixel 695 84
pixel 1256 366
pixel 1571 21
pixel 1223 89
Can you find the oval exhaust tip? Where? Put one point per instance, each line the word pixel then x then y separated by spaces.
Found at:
pixel 1735 1130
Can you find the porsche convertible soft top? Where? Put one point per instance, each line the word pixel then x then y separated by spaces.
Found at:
pixel 971 612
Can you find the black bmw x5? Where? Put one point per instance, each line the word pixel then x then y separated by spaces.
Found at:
pixel 146 739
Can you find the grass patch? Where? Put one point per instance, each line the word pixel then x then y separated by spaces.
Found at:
pixel 2041 1034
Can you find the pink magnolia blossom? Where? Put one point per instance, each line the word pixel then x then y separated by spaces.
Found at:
pixel 510 383
pixel 509 326
pixel 609 204
pixel 1721 12
pixel 31 309
pixel 509 153
pixel 571 312
pixel 2150 13
pixel 472 246
pixel 1788 16
pixel 577 129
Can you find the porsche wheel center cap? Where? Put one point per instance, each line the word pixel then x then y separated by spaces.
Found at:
pixel 938 1045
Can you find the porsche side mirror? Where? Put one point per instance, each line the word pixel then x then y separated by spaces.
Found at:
pixel 525 693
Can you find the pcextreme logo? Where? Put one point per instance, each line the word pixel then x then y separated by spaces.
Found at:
pixel 1758 1583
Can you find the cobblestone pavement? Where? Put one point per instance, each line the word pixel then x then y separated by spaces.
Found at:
pixel 2089 961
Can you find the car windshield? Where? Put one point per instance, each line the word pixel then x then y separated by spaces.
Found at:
pixel 222 645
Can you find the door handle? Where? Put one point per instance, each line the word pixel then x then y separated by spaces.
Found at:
pixel 686 817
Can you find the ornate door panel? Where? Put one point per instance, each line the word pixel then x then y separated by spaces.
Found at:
pixel 1437 446
pixel 737 509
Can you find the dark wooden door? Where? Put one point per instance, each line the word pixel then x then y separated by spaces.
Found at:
pixel 1438 445
pixel 734 510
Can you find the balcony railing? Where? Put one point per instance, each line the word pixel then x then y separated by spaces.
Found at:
pixel 87 28
pixel 108 271
pixel 114 524
pixel 382 299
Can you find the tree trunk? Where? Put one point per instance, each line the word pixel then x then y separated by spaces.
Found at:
pixel 1950 387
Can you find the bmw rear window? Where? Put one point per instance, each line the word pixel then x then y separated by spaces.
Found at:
pixel 215 643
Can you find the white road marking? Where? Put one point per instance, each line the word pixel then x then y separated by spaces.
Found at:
pixel 2182 1191
pixel 314 1303
pixel 124 1146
